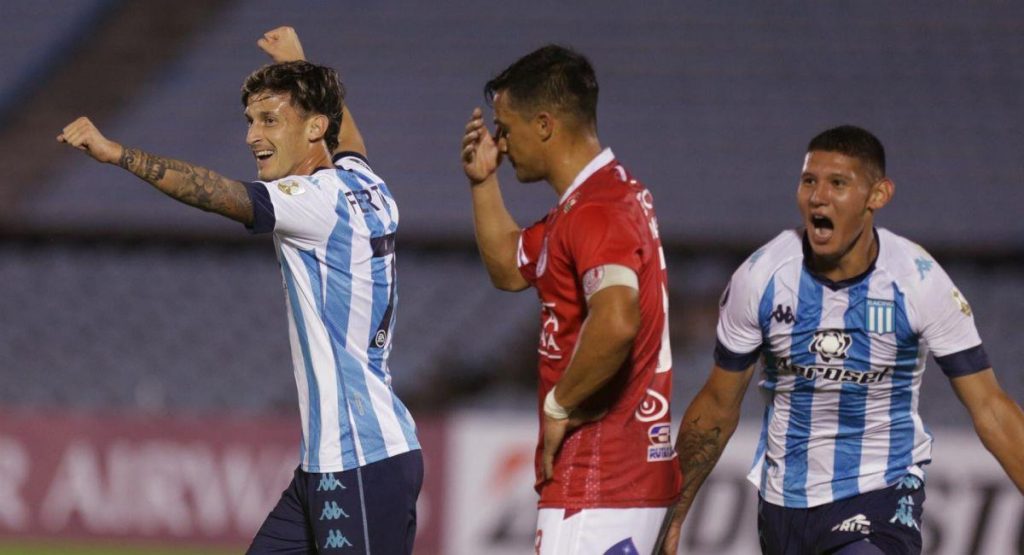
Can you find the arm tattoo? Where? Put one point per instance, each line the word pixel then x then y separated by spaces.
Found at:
pixel 699 450
pixel 190 184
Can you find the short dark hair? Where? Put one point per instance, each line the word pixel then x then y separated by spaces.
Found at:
pixel 854 142
pixel 553 77
pixel 313 88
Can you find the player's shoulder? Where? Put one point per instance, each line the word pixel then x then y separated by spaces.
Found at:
pixel 907 263
pixel 784 249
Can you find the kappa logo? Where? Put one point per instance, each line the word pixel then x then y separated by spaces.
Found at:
pixel 830 345
pixel 290 188
pixel 905 513
pixel 329 483
pixel 924 266
pixel 332 511
pixel 783 316
pixel 336 540
pixel 856 523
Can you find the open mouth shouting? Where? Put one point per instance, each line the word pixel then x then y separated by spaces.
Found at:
pixel 820 228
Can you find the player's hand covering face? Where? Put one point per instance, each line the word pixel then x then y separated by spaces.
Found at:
pixel 480 155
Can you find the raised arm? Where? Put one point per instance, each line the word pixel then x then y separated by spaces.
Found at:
pixel 497 233
pixel 182 181
pixel 998 420
pixel 707 425
pixel 282 44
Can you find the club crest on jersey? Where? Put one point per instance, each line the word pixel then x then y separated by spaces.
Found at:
pixel 830 344
pixel 290 188
pixel 881 316
pixel 653 408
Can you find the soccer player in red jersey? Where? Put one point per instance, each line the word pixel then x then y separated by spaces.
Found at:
pixel 605 465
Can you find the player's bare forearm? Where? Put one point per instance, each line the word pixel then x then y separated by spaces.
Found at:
pixel 193 185
pixel 998 420
pixel 603 346
pixel 497 236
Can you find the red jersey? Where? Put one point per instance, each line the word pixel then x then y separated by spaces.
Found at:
pixel 625 459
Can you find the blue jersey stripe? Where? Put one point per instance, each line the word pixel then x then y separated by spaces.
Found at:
pixel 312 450
pixel 852 398
pixel 901 431
pixel 762 442
pixel 357 394
pixel 337 306
pixel 808 319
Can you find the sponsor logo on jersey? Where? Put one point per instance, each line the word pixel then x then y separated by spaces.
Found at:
pixel 856 523
pixel 548 332
pixel 924 266
pixel 962 302
pixel 783 315
pixel 881 316
pixel 830 345
pixel 653 408
pixel 660 436
pixel 380 339
pixel 290 188
pixel 832 373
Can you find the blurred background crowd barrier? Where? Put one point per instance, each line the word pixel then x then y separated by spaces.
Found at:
pixel 146 390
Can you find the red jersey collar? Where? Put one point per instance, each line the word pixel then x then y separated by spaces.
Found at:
pixel 599 161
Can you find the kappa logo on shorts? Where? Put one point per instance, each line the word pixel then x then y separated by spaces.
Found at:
pixel 336 540
pixel 905 513
pixel 856 523
pixel 332 511
pixel 329 483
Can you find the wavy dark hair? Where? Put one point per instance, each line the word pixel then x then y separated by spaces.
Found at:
pixel 855 142
pixel 552 77
pixel 313 88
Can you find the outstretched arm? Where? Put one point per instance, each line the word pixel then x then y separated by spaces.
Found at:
pixel 185 182
pixel 998 420
pixel 497 233
pixel 282 44
pixel 707 425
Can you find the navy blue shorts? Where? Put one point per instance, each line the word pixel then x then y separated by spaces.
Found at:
pixel 371 509
pixel 890 519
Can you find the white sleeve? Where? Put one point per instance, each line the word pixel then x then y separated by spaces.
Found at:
pixel 944 318
pixel 304 211
pixel 738 328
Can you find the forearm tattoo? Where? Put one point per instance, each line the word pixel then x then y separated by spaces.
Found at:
pixel 190 184
pixel 699 450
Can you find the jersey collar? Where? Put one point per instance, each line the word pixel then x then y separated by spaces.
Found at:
pixel 599 161
pixel 837 285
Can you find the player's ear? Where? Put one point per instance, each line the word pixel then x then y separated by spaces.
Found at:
pixel 881 193
pixel 544 125
pixel 316 128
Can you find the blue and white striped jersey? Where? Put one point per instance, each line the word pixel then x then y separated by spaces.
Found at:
pixel 334 232
pixel 842 365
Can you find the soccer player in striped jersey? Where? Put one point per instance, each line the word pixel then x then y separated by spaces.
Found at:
pixel 333 222
pixel 843 315
pixel 605 465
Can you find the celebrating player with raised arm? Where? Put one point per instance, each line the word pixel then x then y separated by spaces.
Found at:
pixel 605 464
pixel 333 222
pixel 843 315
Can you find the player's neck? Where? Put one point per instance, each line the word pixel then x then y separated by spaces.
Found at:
pixel 317 157
pixel 569 160
pixel 852 263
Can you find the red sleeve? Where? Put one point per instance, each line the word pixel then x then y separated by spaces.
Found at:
pixel 603 234
pixel 531 242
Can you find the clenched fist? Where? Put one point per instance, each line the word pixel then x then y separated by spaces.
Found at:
pixel 282 44
pixel 83 135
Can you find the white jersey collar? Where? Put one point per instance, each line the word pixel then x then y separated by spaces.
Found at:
pixel 599 161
